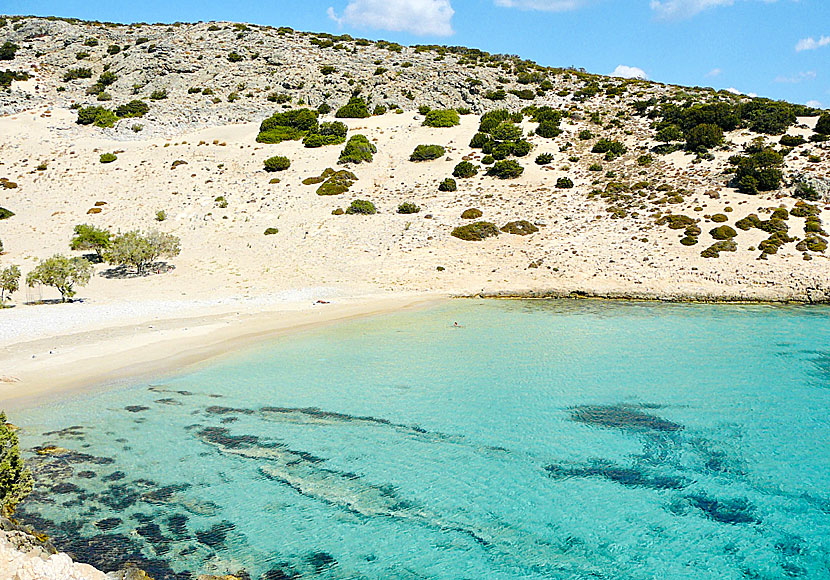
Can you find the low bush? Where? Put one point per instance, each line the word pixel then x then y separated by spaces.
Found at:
pixel 7 50
pixel 427 153
pixel 379 110
pixel 5 213
pixel 135 108
pixel 235 57
pixel 564 183
pixel 471 213
pixel 544 158
pixel 448 184
pixel 77 73
pixel 645 160
pixel 715 249
pixel 506 169
pixel 703 137
pixel 475 232
pixel 288 126
pixel 408 207
pixel 823 124
pixel 107 157
pixel 758 170
pixel 519 228
pixel 719 218
pixel 357 150
pixel 361 206
pixel 464 169
pixel 488 160
pixel 723 233
pixel 792 140
pixel 336 182
pixel 98 116
pixel 159 94
pixel 585 135
pixel 271 231
pixel 610 148
pixel 442 118
pixel 277 163
pixel 355 109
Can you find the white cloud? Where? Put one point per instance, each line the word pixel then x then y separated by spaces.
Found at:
pixel 685 8
pixel 802 76
pixel 814 104
pixel 811 43
pixel 629 72
pixel 545 5
pixel 422 17
pixel 715 72
pixel 735 91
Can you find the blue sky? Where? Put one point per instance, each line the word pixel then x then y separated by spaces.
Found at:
pixel 773 48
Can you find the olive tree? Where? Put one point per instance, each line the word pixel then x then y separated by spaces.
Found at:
pixel 89 237
pixel 15 480
pixel 62 273
pixel 9 282
pixel 139 250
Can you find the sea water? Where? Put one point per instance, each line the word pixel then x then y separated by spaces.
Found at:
pixel 538 439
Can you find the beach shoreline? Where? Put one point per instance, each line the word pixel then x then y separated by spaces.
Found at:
pixel 109 354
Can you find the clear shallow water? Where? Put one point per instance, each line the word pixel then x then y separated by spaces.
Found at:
pixel 541 440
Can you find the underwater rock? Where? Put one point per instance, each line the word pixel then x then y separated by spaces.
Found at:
pixel 626 476
pixel 728 511
pixel 169 401
pixel 114 476
pixel 216 535
pixel 108 524
pixel 118 497
pixel 136 408
pixel 165 493
pixel 218 410
pixel 69 456
pixel 73 432
pixel 177 525
pixel 65 487
pixel 624 417
pixel 87 475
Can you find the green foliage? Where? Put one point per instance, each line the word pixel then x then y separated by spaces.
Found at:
pixel 235 57
pixel 427 153
pixel 424 109
pixel 355 109
pixel 585 135
pixel 506 169
pixel 491 119
pixel 448 184
pixel 723 232
pixel 464 169
pixel 324 109
pixel 336 182
pixel 544 158
pixel 271 231
pixel 16 481
pixel 88 237
pixel 408 207
pixel 765 116
pixel 7 50
pixel 823 124
pixel 7 76
pixel 107 157
pixel 288 126
pixel 476 231
pixel 140 250
pixel 98 116
pixel 669 133
pixel 5 213
pixel 488 160
pixel 703 137
pixel 758 170
pixel 159 94
pixel 77 73
pixel 471 213
pixel 497 95
pixel 62 273
pixel 614 148
pixel 357 150
pixel 507 131
pixel 327 69
pixel 519 228
pixel 91 42
pixel 161 215
pixel 9 284
pixel 715 249
pixel 442 118
pixel 113 49
pixel 277 163
pixel 792 140
pixel 645 160
pixel 279 98
pixel 564 183
pixel 379 110
pixel 327 134
pixel 361 206
pixel 548 129
pixel 134 108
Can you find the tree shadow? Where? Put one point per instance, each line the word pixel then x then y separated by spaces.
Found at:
pixel 122 272
pixel 52 301
pixel 93 258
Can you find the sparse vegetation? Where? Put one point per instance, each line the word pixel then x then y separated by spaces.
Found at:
pixel 140 250
pixel 277 163
pixel 16 482
pixel 427 153
pixel 108 157
pixel 88 237
pixel 361 206
pixel 357 150
pixel 506 169
pixel 464 169
pixel 62 273
pixel 408 207
pixel 448 184
pixel 442 118
pixel 475 232
pixel 355 109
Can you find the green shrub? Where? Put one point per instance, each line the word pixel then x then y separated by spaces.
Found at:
pixel 471 213
pixel 327 134
pixel 159 94
pixel 464 169
pixel 357 150
pixel 161 215
pixel 5 213
pixel 548 129
pixel 669 133
pixel 544 158
pixel 505 169
pixel 507 131
pixel 277 163
pixel 327 69
pixel 792 140
pixel 823 124
pixel 442 118
pixel 355 109
pixel 479 140
pixel 585 135
pixel 812 243
pixel 379 110
pixel 564 183
pixel 719 218
pixel 759 170
pixel 645 160
pixel 77 73
pixel 91 42
pixel 595 167
pixel 324 109
pixel 475 232
pixel 361 206
pixel 98 116
pixel 703 137
pixel 132 109
pixel 424 109
pixel 427 153
pixel 108 157
pixel 288 126
pixel 7 50
pixel 488 160
pixel 448 184
pixel 271 231
pixel 235 57
pixel 723 233
pixel 113 49
pixel 497 95
pixel 519 228
pixel 334 182
pixel 408 207
pixel 16 482
pixel 614 148
pixel 715 249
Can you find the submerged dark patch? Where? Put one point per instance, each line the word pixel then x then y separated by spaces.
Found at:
pixel 136 408
pixel 626 476
pixel 216 535
pixel 728 511
pixel 624 417
pixel 108 524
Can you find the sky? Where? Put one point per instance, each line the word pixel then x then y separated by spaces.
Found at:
pixel 771 48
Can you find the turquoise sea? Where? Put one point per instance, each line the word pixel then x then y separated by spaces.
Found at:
pixel 541 439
